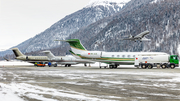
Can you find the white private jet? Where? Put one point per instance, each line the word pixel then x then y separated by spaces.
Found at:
pixel 67 60
pixel 140 37
pixel 114 59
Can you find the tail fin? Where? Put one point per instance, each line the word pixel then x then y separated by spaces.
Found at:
pixel 17 52
pixel 49 54
pixel 76 45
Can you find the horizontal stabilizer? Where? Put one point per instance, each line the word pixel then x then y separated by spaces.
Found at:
pixel 67 40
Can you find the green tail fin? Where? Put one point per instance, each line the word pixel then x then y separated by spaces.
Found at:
pixel 75 43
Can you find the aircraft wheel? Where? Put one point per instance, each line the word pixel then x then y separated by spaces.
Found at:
pixel 55 65
pixel 115 66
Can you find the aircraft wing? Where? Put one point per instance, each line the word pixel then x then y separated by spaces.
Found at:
pixel 33 62
pixel 141 35
pixel 128 62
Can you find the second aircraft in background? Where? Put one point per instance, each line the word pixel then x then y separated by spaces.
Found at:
pixel 67 60
pixel 50 59
pixel 140 37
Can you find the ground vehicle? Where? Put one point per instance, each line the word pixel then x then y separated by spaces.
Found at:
pixel 52 64
pixel 40 64
pixel 162 60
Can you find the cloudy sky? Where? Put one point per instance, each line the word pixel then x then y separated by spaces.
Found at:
pixel 23 19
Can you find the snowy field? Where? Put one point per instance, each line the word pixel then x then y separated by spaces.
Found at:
pixel 79 83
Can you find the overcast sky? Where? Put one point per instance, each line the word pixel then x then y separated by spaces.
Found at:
pixel 23 19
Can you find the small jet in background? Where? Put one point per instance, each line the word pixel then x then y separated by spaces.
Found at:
pixel 140 37
pixel 67 60
pixel 36 60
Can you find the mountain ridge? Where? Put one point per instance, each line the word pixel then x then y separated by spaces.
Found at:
pixel 66 26
pixel 160 17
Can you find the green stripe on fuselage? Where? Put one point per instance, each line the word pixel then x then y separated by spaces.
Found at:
pixel 110 58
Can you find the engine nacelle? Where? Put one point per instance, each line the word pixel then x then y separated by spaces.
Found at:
pixel 92 54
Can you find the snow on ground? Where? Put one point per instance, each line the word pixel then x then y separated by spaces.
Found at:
pixel 15 90
pixel 11 92
pixel 13 63
pixel 24 84
pixel 7 94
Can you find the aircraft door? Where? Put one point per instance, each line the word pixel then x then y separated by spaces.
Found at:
pixel 101 55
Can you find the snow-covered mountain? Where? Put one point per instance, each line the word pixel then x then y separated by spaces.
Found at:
pixel 101 27
pixel 160 17
pixel 70 24
pixel 94 3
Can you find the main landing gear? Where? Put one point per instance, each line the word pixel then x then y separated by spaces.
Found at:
pixel 86 65
pixel 67 65
pixel 110 66
pixel 113 66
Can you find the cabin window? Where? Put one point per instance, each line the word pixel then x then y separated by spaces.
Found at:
pixel 118 56
pixel 129 56
pixel 123 56
pixel 133 56
pixel 112 55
